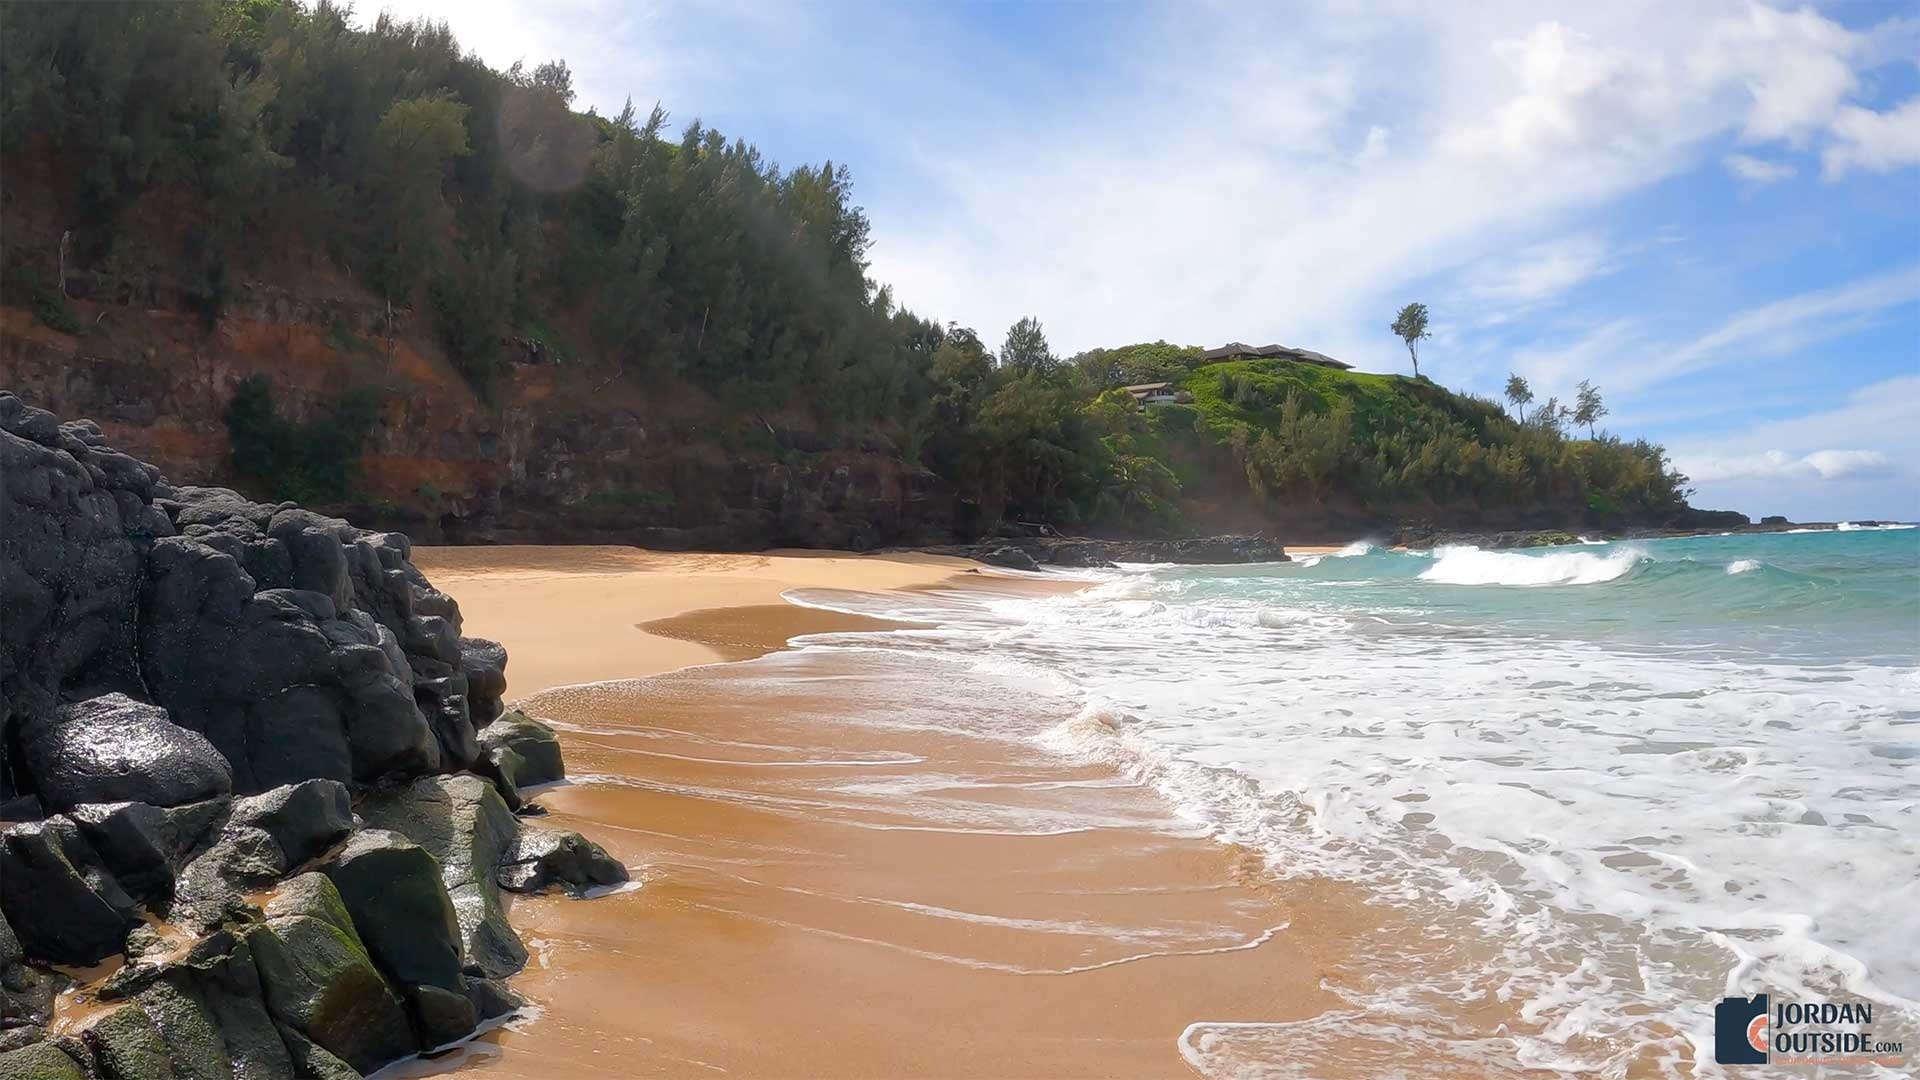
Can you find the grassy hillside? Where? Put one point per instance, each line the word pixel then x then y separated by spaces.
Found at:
pixel 1295 436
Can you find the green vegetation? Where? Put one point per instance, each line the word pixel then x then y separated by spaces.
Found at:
pixel 209 143
pixel 316 461
pixel 49 304
pixel 1410 326
pixel 1587 406
pixel 1519 394
pixel 1131 365
pixel 1399 445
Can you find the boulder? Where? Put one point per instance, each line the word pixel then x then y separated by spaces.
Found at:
pixel 211 1013
pixel 115 749
pixel 492 998
pixel 484 663
pixel 535 742
pixel 1007 555
pixel 443 1015
pixel 442 699
pixel 144 845
pixel 516 752
pixel 212 887
pixel 127 1045
pixel 313 1062
pixel 58 897
pixel 391 888
pixel 304 819
pixel 463 823
pixel 543 857
pixel 40 1061
pixel 320 981
pixel 26 994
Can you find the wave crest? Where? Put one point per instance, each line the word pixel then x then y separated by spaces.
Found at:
pixel 1468 565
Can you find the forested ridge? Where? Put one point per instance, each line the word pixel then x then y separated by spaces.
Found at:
pixel 630 251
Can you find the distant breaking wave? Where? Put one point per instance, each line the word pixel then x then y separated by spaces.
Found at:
pixel 1353 550
pixel 1469 565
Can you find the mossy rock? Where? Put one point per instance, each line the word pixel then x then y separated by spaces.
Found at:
pixel 392 888
pixel 319 980
pixel 129 1047
pixel 466 826
pixel 40 1061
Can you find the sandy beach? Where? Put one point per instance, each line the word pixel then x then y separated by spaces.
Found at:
pixel 849 864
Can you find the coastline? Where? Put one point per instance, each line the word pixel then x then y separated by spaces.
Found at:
pixel 850 866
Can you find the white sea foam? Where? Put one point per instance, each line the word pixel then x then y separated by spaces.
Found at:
pixel 1357 548
pixel 1618 831
pixel 1467 565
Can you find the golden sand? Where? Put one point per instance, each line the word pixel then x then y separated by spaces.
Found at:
pixel 835 880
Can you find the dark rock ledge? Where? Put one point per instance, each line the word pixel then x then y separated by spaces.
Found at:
pixel 1034 552
pixel 249 765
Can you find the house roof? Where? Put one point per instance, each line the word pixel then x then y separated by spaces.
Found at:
pixel 1279 352
pixel 1147 387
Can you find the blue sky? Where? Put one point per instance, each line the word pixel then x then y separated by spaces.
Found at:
pixel 1711 209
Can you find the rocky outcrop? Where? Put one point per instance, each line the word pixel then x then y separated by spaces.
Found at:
pixel 234 743
pixel 1035 552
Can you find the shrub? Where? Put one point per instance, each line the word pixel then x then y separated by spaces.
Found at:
pixel 317 461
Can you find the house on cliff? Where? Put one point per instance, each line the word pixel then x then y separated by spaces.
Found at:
pixel 1158 393
pixel 1237 350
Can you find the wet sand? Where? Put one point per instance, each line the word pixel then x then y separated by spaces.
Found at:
pixel 852 864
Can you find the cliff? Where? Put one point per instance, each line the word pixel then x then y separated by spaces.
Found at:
pixel 562 455
pixel 252 769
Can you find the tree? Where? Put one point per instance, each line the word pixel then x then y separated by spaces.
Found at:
pixel 1550 416
pixel 1026 349
pixel 1587 406
pixel 1411 326
pixel 1519 393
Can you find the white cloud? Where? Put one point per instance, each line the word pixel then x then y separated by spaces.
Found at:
pixel 1757 170
pixel 1572 89
pixel 1633 358
pixel 1853 460
pixel 1779 465
pixel 1793 66
pixel 1797 321
pixel 1533 274
pixel 1873 141
pixel 1375 148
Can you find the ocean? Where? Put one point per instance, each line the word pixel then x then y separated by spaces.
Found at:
pixel 1593 788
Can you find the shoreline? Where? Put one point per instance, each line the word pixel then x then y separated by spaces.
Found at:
pixel 841 875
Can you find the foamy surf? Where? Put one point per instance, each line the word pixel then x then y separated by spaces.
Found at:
pixel 1467 565
pixel 1602 807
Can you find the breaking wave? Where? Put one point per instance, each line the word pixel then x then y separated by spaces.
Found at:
pixel 1468 565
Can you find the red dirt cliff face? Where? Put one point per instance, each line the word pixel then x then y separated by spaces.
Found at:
pixel 562 453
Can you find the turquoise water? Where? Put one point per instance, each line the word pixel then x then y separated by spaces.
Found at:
pixel 1843 596
pixel 1598 786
